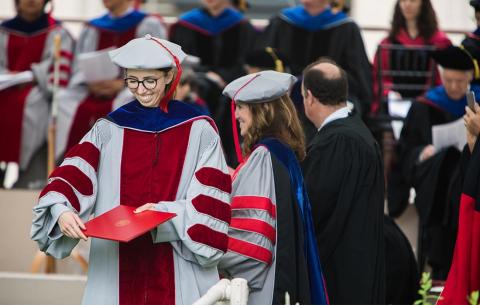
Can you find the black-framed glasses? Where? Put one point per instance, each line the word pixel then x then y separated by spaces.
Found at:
pixel 148 83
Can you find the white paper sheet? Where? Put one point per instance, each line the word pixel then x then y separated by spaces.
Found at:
pixel 12 79
pixel 97 66
pixel 450 134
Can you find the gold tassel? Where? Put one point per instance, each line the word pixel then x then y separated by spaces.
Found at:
pixel 278 63
pixel 476 73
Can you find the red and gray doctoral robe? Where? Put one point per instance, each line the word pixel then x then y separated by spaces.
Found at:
pixel 24 109
pixel 271 241
pixel 141 155
pixel 78 109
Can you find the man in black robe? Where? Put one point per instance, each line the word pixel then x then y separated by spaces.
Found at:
pixel 309 31
pixel 344 178
pixel 433 171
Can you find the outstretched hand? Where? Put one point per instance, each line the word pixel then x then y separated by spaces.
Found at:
pixel 71 225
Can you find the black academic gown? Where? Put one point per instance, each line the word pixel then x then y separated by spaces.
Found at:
pixel 344 178
pixel 436 182
pixel 223 53
pixel 343 43
pixel 402 282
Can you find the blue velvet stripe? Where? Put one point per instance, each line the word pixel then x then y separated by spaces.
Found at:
pixel 299 17
pixel 200 18
pixel 477 32
pixel 21 25
pixel 288 158
pixel 120 24
pixel 439 97
pixel 135 116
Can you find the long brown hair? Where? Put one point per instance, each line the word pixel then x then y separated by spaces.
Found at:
pixel 278 119
pixel 426 21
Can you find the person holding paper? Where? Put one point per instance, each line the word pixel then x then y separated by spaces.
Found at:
pixel 152 153
pixel 85 101
pixel 26 44
pixel 430 171
pixel 271 238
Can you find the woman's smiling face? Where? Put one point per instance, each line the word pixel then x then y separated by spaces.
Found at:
pixel 148 86
pixel 243 114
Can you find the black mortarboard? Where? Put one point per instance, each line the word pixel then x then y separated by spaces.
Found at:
pixel 475 4
pixel 266 59
pixel 454 58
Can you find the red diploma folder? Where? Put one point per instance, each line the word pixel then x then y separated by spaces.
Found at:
pixel 121 224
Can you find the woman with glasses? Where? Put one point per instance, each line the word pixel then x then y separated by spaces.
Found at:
pixel 154 153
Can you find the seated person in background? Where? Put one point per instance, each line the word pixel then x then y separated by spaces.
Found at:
pixel 83 102
pixel 433 172
pixel 311 30
pixel 472 40
pixel 221 37
pixel 186 92
pixel 414 24
pixel 271 237
pixel 26 44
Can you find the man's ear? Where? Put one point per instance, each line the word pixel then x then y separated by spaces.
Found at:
pixel 309 97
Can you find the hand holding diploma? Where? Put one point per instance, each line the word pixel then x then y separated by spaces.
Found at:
pixel 71 225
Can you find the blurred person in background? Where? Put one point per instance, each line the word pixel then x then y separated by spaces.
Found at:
pixel 414 24
pixel 83 102
pixel 472 40
pixel 311 30
pixel 220 36
pixel 27 44
pixel 431 171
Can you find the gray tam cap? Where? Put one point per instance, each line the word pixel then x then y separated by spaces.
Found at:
pixel 260 87
pixel 147 53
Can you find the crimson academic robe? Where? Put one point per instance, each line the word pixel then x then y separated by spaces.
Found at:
pixel 139 155
pixel 24 109
pixel 78 108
